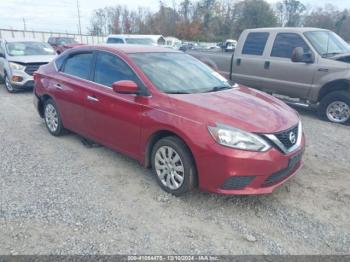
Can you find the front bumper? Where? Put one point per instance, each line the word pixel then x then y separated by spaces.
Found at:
pixel 27 81
pixel 235 172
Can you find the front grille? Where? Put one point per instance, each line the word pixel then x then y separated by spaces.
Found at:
pixel 31 68
pixel 284 173
pixel 237 182
pixel 285 137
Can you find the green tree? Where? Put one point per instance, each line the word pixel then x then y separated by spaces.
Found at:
pixel 253 14
pixel 290 12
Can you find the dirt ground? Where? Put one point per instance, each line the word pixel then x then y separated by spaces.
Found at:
pixel 59 197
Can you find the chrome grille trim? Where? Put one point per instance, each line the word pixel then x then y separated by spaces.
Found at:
pixel 281 146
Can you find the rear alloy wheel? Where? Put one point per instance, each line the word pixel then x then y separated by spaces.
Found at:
pixel 8 85
pixel 173 166
pixel 335 107
pixel 52 118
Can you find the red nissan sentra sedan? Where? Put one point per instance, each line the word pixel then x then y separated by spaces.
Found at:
pixel 172 113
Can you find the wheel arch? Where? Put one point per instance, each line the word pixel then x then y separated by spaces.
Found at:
pixel 41 104
pixel 155 137
pixel 336 85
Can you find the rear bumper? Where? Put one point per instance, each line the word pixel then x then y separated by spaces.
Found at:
pixel 236 172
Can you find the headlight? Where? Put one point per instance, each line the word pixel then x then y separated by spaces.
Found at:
pixel 236 138
pixel 15 66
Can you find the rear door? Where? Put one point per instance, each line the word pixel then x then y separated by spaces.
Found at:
pixel 249 60
pixel 113 119
pixel 284 76
pixel 69 89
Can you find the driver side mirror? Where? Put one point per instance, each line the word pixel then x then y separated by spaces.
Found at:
pixel 125 87
pixel 299 56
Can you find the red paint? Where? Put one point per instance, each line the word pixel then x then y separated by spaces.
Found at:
pixel 125 87
pixel 126 122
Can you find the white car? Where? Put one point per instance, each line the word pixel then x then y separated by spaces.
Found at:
pixel 19 59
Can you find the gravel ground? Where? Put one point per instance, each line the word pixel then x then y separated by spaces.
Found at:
pixel 59 197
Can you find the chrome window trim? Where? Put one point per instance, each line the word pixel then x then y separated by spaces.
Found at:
pixel 98 50
pixel 280 145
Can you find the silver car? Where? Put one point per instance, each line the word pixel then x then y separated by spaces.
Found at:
pixel 19 59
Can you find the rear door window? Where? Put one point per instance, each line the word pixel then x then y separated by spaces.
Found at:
pixel 285 43
pixel 109 69
pixel 115 41
pixel 255 43
pixel 79 65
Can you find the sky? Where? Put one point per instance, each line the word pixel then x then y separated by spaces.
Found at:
pixel 61 15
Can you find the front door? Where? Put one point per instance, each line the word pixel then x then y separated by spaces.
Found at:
pixel 113 119
pixel 284 76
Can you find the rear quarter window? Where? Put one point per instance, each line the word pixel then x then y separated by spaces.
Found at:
pixel 59 62
pixel 255 43
pixel 115 41
pixel 79 65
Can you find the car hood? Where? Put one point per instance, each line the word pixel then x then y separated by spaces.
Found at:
pixel 241 107
pixel 32 59
pixel 342 57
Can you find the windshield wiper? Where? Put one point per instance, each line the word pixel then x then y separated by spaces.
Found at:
pixel 177 92
pixel 219 88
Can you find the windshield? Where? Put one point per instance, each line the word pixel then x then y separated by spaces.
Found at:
pixel 66 41
pixel 327 43
pixel 140 41
pixel 179 73
pixel 29 48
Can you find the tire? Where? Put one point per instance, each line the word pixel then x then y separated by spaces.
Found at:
pixel 335 107
pixel 8 85
pixel 53 119
pixel 168 172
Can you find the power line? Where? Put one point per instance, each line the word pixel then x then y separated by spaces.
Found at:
pixel 78 7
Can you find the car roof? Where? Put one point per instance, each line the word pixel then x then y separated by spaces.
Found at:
pixel 286 29
pixel 9 40
pixel 132 49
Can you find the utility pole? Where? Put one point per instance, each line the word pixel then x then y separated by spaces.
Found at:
pixel 24 24
pixel 78 7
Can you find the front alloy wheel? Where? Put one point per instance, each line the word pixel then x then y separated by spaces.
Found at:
pixel 335 107
pixel 174 166
pixel 169 167
pixel 338 112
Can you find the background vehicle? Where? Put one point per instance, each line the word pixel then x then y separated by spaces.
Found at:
pixel 187 46
pixel 60 44
pixel 172 42
pixel 230 45
pixel 136 39
pixel 170 111
pixel 19 59
pixel 302 66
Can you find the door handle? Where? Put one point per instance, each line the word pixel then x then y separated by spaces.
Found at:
pixel 323 70
pixel 58 86
pixel 267 65
pixel 92 98
pixel 238 61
